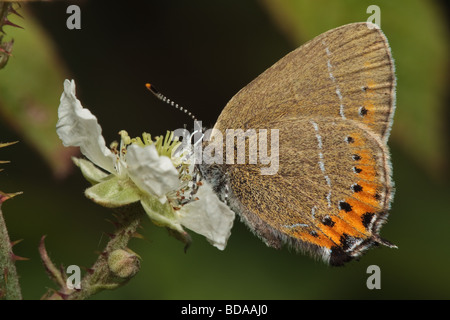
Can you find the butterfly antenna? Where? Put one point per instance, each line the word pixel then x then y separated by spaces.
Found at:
pixel 163 98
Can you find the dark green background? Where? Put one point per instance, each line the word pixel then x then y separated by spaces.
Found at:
pixel 199 53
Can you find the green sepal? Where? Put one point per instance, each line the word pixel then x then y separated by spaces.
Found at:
pixel 114 192
pixel 90 172
pixel 161 214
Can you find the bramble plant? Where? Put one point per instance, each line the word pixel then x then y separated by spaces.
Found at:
pixel 6 8
pixel 9 280
pixel 135 177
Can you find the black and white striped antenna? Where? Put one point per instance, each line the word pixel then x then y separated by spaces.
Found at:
pixel 163 98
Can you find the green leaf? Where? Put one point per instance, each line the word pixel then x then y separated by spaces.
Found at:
pixel 30 87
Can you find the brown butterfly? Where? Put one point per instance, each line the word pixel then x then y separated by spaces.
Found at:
pixel 332 102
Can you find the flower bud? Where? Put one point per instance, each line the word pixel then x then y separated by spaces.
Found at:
pixel 123 264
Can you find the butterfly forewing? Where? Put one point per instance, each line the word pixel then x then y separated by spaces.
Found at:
pixel 347 73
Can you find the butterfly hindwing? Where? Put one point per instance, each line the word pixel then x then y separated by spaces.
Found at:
pixel 330 208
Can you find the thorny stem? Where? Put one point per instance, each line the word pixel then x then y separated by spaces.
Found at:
pixel 99 277
pixel 9 280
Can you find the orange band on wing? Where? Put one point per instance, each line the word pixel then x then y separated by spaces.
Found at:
pixel 369 187
pixel 366 158
pixel 359 207
pixel 366 197
pixel 319 240
pixel 339 227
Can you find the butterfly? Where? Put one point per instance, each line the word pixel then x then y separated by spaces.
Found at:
pixel 332 102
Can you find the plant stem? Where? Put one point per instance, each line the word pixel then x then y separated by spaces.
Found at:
pixel 9 280
pixel 99 277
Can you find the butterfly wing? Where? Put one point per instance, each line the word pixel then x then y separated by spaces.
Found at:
pixel 331 193
pixel 333 109
pixel 347 73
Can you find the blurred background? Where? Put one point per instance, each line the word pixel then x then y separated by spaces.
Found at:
pixel 200 53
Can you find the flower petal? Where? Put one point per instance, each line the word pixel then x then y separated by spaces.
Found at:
pixel 152 173
pixel 78 127
pixel 208 216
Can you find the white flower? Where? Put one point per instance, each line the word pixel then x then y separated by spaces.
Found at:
pixel 142 170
